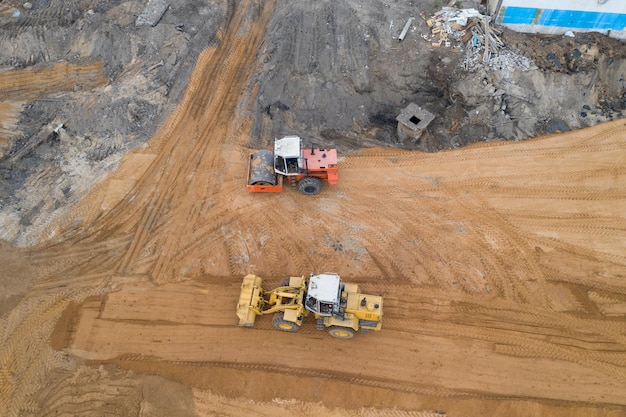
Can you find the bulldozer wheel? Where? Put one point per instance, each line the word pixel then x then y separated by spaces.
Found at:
pixel 310 186
pixel 281 324
pixel 341 332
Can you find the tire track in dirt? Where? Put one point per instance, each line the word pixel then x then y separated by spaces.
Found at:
pixel 402 235
pixel 512 337
pixel 217 114
pixel 56 12
pixel 519 334
pixel 575 345
pixel 321 238
pixel 36 355
pixel 190 206
pixel 28 84
pixel 189 132
pixel 87 266
pixel 38 23
pixel 570 273
pixel 379 159
pixel 275 227
pixel 19 87
pixel 557 336
pixel 546 230
pixel 25 355
pixel 453 274
pixel 208 404
pixel 388 384
pixel 614 331
pixel 394 229
pixel 511 341
pixel 580 176
pixel 89 392
pixel 146 222
pixel 506 244
pixel 570 193
pixel 435 250
pixel 486 151
pixel 268 247
pixel 9 118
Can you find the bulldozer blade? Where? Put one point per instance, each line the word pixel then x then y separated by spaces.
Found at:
pixel 250 299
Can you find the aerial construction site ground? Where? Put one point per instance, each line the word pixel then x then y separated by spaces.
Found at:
pixel 496 239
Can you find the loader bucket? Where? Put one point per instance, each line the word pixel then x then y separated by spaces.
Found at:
pixel 250 299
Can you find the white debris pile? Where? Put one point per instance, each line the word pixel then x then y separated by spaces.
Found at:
pixel 448 25
pixel 504 60
pixel 452 27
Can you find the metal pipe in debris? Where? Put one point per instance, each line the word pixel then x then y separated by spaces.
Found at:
pixel 406 28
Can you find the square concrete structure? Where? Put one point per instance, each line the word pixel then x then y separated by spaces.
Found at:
pixel 412 122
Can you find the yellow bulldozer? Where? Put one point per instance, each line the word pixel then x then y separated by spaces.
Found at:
pixel 337 307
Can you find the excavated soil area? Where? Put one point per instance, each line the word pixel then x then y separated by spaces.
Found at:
pixel 501 263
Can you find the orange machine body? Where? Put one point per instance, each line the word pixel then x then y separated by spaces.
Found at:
pixel 266 170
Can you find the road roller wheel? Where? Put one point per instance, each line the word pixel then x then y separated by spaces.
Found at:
pixel 310 186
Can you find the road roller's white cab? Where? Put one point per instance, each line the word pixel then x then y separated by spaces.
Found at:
pixel 304 167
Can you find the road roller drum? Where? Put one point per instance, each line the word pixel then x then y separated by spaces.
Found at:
pixel 262 168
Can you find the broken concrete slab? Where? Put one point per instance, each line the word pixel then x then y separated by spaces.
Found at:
pixel 152 13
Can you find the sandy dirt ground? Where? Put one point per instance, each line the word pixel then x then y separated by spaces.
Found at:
pixel 501 265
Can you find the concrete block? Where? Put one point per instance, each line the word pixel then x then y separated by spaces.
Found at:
pixel 152 13
pixel 412 121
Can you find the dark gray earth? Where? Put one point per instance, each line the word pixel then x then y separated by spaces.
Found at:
pixel 333 72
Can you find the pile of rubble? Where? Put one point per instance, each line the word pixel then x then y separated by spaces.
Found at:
pixel 450 24
pixel 451 27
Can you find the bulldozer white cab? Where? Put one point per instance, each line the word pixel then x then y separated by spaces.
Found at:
pixel 287 155
pixel 323 294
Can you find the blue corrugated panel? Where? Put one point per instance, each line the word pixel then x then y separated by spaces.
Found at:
pixel 582 20
pixel 518 15
pixel 564 18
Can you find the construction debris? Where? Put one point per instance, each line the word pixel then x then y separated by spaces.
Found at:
pixel 449 24
pixel 451 27
pixel 406 29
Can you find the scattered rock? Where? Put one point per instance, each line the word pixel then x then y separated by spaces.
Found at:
pixel 153 12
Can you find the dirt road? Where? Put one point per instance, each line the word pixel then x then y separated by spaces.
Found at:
pixel 498 281
pixel 501 265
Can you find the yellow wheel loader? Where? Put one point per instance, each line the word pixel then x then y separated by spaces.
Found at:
pixel 337 307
